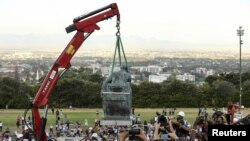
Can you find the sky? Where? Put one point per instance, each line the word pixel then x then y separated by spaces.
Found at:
pixel 158 25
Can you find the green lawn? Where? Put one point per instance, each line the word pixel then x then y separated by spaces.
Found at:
pixel 8 117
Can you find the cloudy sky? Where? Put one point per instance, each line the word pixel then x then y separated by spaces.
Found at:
pixel 169 25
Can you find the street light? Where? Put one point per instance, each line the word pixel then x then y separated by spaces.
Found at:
pixel 240 32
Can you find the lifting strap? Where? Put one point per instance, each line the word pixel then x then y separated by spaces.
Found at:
pixel 119 49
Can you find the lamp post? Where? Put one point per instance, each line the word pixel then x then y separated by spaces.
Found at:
pixel 240 32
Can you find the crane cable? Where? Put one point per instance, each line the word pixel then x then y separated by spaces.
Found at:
pixel 118 47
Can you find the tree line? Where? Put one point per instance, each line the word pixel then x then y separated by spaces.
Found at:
pixel 80 88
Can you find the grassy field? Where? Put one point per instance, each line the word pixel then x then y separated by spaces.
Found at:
pixel 8 117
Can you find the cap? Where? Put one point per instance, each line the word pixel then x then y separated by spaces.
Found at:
pixel 181 113
pixel 94 135
pixel 26 128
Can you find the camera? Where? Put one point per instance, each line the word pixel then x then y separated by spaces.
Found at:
pixel 162 120
pixel 111 131
pixel 132 134
pixel 134 131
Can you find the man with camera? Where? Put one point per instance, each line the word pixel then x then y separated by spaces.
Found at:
pixel 164 130
pixel 181 127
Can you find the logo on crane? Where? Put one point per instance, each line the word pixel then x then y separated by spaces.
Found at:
pixel 70 50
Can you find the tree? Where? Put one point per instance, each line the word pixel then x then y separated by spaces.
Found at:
pixel 246 93
pixel 12 93
pixel 233 78
pixel 223 92
pixel 210 79
pixel 204 96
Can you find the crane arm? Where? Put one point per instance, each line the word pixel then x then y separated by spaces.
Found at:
pixel 84 25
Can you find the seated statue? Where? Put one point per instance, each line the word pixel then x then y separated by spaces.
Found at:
pixel 118 81
pixel 117 106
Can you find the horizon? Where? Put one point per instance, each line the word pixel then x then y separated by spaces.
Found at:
pixel 131 54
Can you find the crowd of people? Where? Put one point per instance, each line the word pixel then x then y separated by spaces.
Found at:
pixel 165 126
pixel 162 126
pixel 170 127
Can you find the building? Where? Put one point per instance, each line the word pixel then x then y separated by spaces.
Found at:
pixel 106 71
pixel 94 67
pixel 202 71
pixel 210 72
pixel 151 68
pixel 135 78
pixel 140 68
pixel 158 78
pixel 154 69
pixel 186 77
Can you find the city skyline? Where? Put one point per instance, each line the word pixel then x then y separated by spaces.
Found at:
pixel 194 25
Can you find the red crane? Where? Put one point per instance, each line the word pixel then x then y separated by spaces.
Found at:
pixel 84 25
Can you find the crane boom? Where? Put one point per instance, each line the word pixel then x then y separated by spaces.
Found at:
pixel 84 25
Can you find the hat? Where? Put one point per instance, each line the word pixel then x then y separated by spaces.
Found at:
pixel 26 128
pixel 181 113
pixel 94 135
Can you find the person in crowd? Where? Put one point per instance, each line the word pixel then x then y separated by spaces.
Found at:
pixel 182 127
pixel 51 129
pixel 164 130
pixel 26 134
pixel 23 122
pixel 5 137
pixel 57 114
pixel 146 128
pixel 222 120
pixel 53 110
pixel 231 109
pixel 18 120
pixel 86 124
pixel 1 126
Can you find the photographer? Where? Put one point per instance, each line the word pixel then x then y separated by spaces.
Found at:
pixel 181 127
pixel 164 130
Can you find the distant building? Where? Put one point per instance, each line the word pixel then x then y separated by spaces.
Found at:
pixel 176 71
pixel 186 77
pixel 154 69
pixel 179 65
pixel 157 78
pixel 106 71
pixel 167 74
pixel 140 68
pixel 8 69
pixel 135 78
pixel 202 71
pixel 17 76
pixel 37 76
pixel 205 71
pixel 210 72
pixel 94 67
pixel 13 71
pixel 151 68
